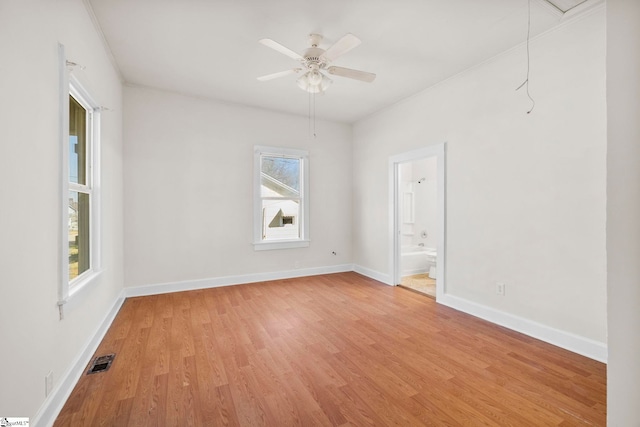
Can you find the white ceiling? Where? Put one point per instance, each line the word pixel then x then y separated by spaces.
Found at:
pixel 209 48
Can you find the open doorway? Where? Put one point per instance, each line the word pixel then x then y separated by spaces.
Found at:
pixel 418 220
pixel 418 190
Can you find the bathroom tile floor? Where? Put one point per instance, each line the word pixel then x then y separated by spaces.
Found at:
pixel 421 283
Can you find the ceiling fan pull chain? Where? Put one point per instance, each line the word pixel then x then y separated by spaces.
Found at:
pixel 309 110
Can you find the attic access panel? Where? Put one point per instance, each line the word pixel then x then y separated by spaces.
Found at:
pixel 565 5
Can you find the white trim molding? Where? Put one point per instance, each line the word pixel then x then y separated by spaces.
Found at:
pixel 375 275
pixel 71 86
pixel 395 221
pixel 584 346
pixel 216 282
pixel 260 241
pixel 54 403
pixel 587 347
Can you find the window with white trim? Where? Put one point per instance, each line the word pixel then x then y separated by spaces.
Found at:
pixel 281 198
pixel 80 188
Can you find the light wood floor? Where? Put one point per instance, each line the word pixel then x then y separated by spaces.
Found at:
pixel 421 283
pixel 339 350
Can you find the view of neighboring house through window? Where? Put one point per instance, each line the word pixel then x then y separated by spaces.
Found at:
pixel 281 208
pixel 80 189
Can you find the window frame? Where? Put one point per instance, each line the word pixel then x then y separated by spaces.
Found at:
pixel 259 243
pixel 73 88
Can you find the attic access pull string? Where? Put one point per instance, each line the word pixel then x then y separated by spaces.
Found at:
pixel 526 82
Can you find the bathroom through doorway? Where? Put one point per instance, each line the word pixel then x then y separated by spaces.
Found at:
pixel 418 212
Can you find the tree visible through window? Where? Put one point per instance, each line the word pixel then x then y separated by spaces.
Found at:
pixel 283 169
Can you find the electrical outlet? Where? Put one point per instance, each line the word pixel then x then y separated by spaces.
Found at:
pixel 296 264
pixel 48 383
pixel 500 288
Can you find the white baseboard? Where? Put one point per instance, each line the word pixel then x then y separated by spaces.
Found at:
pixel 587 347
pixel 53 404
pixel 216 282
pixel 376 275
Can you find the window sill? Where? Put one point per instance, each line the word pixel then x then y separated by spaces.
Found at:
pixel 282 244
pixel 83 281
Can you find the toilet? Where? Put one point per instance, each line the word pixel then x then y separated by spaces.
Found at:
pixel 432 257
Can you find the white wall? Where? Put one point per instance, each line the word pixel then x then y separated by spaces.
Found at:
pixel 623 211
pixel 525 193
pixel 407 204
pixel 34 340
pixel 426 201
pixel 189 182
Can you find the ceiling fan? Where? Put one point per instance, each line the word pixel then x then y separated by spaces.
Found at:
pixel 315 60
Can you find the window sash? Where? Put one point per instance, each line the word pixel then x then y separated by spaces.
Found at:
pixel 274 227
pixel 80 223
pixel 83 140
pixel 80 253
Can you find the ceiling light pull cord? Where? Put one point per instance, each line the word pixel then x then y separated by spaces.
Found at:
pixel 309 111
pixel 312 114
pixel 526 82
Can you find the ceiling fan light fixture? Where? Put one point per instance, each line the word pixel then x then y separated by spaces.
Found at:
pixel 314 82
pixel 315 78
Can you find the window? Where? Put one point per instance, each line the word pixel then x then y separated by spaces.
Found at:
pixel 281 217
pixel 80 189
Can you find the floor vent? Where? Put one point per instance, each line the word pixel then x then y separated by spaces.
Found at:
pixel 101 364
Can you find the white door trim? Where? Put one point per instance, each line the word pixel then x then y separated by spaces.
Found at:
pixel 439 151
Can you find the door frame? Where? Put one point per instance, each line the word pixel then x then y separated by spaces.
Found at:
pixel 395 229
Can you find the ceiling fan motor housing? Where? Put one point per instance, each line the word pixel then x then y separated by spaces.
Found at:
pixel 312 56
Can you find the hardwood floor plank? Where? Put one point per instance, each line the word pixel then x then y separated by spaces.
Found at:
pixel 210 364
pixel 156 414
pixel 249 406
pixel 367 387
pixel 329 350
pixel 123 411
pixel 549 399
pixel 357 410
pixel 225 409
pixel 143 396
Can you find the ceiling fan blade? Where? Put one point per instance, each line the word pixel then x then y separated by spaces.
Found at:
pixel 284 50
pixel 352 74
pixel 342 46
pixel 279 74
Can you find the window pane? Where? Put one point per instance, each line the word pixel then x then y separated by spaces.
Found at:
pixel 280 177
pixel 77 142
pixel 280 219
pixel 79 260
